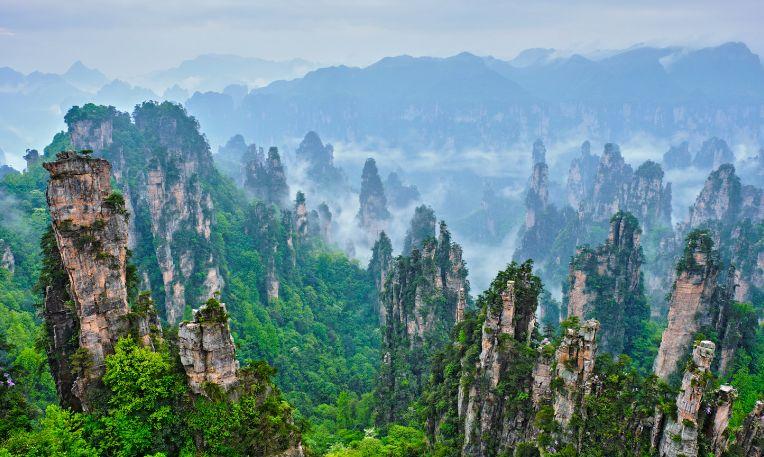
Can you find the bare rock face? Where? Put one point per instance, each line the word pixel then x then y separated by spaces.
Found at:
pixel 158 162
pixel 206 349
pixel 691 302
pixel 90 229
pixel 606 284
pixel 750 438
pixel 318 160
pixel 611 185
pixel 718 199
pixel 373 214
pixel 90 226
pixel 648 199
pixel 7 260
pixel 717 419
pixel 581 176
pixel 680 436
pixel 420 297
pixel 575 366
pixel 325 222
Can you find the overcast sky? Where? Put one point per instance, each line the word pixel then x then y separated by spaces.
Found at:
pixel 128 38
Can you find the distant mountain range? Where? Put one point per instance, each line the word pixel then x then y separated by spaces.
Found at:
pixel 415 103
pixel 468 101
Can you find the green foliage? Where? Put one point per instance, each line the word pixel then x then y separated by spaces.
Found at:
pixel 59 434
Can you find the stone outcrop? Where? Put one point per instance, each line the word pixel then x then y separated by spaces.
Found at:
pixel 300 216
pixel 400 195
pixel 160 162
pixel 575 366
pixel 373 214
pixel 230 158
pixel 691 303
pixel 581 175
pixel 678 156
pixel 713 153
pixel 325 222
pixel 648 199
pixel 421 228
pixel 7 260
pixel 420 298
pixel 379 266
pixel 490 419
pixel 717 419
pixel 606 284
pixel 318 160
pixel 90 227
pixel 718 200
pixel 680 435
pixel 32 157
pixel 207 351
pixel 750 438
pixel 611 185
pixel 266 178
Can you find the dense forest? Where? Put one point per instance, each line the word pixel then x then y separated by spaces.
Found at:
pixel 158 300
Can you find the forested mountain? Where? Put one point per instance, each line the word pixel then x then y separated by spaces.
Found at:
pixel 156 299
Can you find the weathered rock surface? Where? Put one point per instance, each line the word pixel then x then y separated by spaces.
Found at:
pixel 678 156
pixel 611 185
pixel 207 351
pixel 266 178
pixel 750 438
pixel 90 228
pixel 575 366
pixel 581 175
pixel 379 267
pixel 421 228
pixel 718 200
pixel 691 303
pixel 680 436
pixel 318 160
pixel 400 195
pixel 606 284
pixel 648 199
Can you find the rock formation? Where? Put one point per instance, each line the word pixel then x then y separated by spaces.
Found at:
pixel 422 227
pixel 379 266
pixel 206 349
pixel 160 162
pixel 318 160
pixel 90 228
pixel 266 178
pixel 611 185
pixel 398 194
pixel 7 260
pixel 606 284
pixel 717 419
pixel 648 199
pixel 713 153
pixel 581 175
pixel 718 200
pixel 575 366
pixel 680 436
pixel 373 214
pixel 539 152
pixel 420 298
pixel 678 156
pixel 230 158
pixel 32 157
pixel 691 303
pixel 300 215
pixel 325 222
pixel 750 438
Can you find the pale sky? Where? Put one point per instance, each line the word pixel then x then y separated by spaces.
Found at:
pixel 128 38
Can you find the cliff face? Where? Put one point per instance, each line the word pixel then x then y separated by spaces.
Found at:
pixel 750 438
pixel 160 163
pixel 420 297
pixel 421 228
pixel 648 199
pixel 718 200
pixel 373 214
pixel 606 284
pixel 691 303
pixel 206 349
pixel 611 185
pixel 90 228
pixel 680 436
pixel 400 195
pixel 581 176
